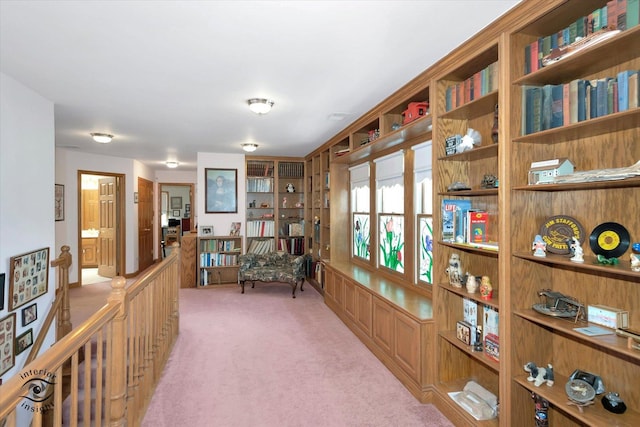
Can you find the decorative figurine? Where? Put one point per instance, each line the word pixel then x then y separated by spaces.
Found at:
pixel 635 262
pixel 472 138
pixel 478 345
pixel 539 375
pixel 455 271
pixel 576 250
pixel 284 202
pixel 539 247
pixel 486 290
pixel 290 188
pixel 472 284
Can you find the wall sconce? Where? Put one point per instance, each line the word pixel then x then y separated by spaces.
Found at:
pixel 260 105
pixel 102 138
pixel 249 147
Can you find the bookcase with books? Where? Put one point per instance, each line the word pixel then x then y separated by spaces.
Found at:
pixel 582 107
pixel 218 259
pixel 466 224
pixel 260 205
pixel 291 220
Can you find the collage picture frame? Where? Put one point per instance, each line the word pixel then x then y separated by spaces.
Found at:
pixel 7 335
pixel 29 277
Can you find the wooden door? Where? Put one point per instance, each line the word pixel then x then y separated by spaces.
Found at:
pixel 107 257
pixel 145 224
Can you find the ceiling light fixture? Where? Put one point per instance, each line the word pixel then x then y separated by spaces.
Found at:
pixel 172 165
pixel 249 147
pixel 260 105
pixel 102 138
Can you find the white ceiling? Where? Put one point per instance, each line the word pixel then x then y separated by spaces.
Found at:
pixel 171 78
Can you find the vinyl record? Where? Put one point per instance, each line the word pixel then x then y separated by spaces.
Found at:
pixel 609 239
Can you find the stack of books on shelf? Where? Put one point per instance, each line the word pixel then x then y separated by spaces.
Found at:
pixel 291 169
pixel 213 245
pixel 260 228
pixel 261 246
pixel 294 246
pixel 465 225
pixel 216 259
pixel 259 185
pixel 257 168
pixel 615 15
pixel 292 229
pixel 476 86
pixel 554 105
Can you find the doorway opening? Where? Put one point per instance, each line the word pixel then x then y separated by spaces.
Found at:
pixel 100 226
pixel 176 214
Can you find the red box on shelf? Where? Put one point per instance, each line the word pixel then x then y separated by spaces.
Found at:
pixel 414 110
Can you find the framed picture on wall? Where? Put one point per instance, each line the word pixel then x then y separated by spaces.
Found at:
pixel 29 277
pixel 59 203
pixel 221 190
pixel 176 202
pixel 24 341
pixel 29 314
pixel 2 275
pixel 7 335
pixel 176 213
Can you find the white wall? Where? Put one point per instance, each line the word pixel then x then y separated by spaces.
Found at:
pixel 26 192
pixel 68 163
pixel 221 222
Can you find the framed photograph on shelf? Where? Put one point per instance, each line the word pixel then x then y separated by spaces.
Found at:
pixel 176 202
pixel 24 341
pixel 206 230
pixel 7 335
pixel 29 277
pixel 221 190
pixel 29 314
pixel 59 203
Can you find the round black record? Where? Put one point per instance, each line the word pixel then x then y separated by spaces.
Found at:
pixel 609 239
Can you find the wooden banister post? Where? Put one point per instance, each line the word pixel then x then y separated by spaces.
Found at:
pixel 118 354
pixel 64 316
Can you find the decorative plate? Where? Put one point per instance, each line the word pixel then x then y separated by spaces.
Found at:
pixel 556 230
pixel 580 391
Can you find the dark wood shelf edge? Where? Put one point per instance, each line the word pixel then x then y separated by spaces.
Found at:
pixel 590 264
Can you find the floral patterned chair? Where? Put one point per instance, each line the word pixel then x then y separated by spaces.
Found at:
pixel 272 267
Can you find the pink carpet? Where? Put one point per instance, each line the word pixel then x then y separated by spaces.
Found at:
pixel 266 359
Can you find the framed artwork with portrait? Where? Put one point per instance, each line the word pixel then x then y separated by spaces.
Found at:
pixel 29 277
pixel 221 190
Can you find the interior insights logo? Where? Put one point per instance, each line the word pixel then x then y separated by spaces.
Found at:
pixel 37 390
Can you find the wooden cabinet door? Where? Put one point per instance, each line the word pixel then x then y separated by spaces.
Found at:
pixel 383 326
pixel 407 344
pixel 363 310
pixel 329 287
pixel 349 299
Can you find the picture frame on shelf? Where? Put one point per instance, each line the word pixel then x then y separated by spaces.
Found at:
pixel 221 190
pixel 176 202
pixel 7 349
pixel 29 277
pixel 59 202
pixel 29 314
pixel 206 230
pixel 24 341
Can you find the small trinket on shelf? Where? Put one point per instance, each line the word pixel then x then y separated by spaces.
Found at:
pixel 539 247
pixel 472 284
pixel 486 290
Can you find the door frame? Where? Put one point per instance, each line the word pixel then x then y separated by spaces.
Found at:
pixel 120 220
pixel 159 209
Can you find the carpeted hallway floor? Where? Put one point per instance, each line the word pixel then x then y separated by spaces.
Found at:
pixel 266 359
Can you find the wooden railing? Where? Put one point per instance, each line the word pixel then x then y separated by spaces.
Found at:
pixel 119 352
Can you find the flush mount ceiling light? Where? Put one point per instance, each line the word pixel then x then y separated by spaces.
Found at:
pixel 249 147
pixel 260 105
pixel 172 164
pixel 102 138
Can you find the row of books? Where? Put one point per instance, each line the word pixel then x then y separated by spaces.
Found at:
pixel 213 245
pixel 260 246
pixel 476 86
pixel 293 246
pixel 291 169
pixel 216 259
pixel 258 168
pixel 260 228
pixel 463 224
pixel 259 185
pixel 616 14
pixel 550 106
